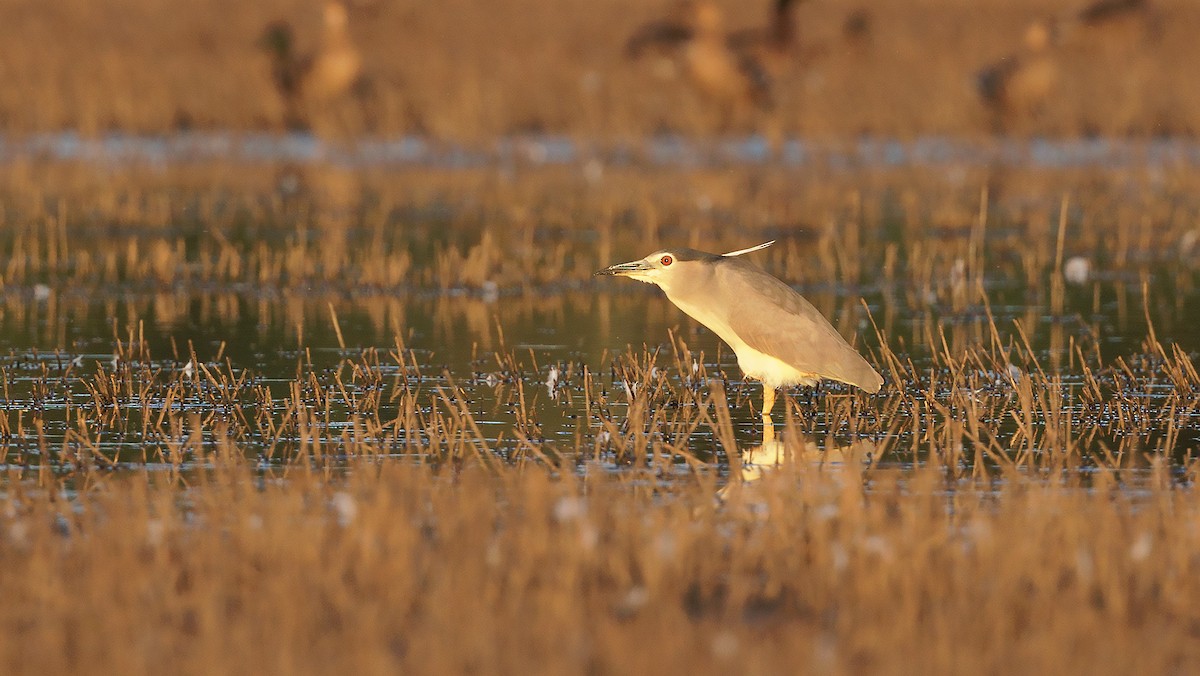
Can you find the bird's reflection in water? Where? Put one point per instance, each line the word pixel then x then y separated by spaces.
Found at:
pixel 790 457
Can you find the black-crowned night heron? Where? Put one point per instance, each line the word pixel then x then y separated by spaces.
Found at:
pixel 778 336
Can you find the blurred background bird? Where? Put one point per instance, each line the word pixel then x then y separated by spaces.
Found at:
pixel 1120 21
pixel 725 69
pixel 308 84
pixel 776 44
pixel 1015 89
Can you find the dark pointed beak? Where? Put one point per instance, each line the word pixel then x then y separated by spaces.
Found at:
pixel 623 268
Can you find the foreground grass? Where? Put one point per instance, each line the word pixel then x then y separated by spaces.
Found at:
pixel 398 567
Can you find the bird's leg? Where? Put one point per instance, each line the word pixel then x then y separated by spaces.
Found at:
pixel 768 404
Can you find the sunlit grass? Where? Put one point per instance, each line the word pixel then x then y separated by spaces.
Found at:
pixel 397 566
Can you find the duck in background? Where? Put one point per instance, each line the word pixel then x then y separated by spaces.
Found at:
pixel 694 41
pixel 307 83
pixel 1015 89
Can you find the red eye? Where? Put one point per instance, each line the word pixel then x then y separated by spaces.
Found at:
pixel 666 260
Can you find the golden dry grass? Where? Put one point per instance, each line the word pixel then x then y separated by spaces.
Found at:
pixel 467 71
pixel 400 568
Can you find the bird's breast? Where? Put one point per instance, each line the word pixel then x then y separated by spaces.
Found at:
pixel 755 364
pixel 712 316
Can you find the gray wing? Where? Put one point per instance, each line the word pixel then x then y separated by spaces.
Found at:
pixel 774 319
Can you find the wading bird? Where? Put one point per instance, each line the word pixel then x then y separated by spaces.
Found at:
pixel 306 83
pixel 779 338
pixel 695 38
pixel 1016 88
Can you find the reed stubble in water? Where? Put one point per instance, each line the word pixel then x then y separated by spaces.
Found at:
pixel 998 373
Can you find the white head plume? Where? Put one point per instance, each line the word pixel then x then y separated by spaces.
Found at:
pixel 752 249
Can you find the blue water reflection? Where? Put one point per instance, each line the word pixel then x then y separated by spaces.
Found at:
pixel 665 150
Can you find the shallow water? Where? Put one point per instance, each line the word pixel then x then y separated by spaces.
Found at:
pixel 520 352
pixel 660 151
pixel 461 339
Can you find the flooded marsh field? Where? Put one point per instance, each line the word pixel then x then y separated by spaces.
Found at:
pixel 1026 317
pixel 309 417
pixel 306 366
